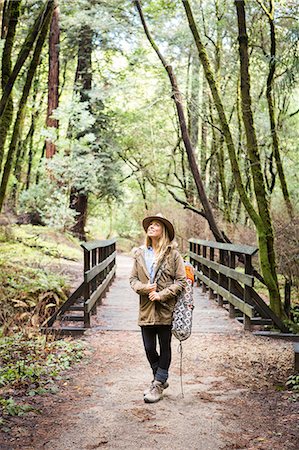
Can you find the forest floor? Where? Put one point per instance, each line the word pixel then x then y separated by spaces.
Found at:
pixel 234 389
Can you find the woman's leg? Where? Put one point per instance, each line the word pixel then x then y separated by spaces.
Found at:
pixel 149 334
pixel 164 335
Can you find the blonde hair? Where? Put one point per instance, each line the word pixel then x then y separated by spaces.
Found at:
pixel 163 242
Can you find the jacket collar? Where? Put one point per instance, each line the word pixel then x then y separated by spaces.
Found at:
pixel 139 255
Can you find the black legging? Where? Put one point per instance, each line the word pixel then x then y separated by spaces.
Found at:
pixel 159 363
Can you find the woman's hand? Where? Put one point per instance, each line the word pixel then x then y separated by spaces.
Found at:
pixel 150 288
pixel 154 296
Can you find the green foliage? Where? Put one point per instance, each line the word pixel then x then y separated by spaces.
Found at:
pixel 293 324
pixel 31 366
pixel 26 361
pixel 30 289
pixel 293 382
pixel 86 159
pixel 50 202
pixel 11 408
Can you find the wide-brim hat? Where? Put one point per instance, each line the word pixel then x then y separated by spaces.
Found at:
pixel 160 218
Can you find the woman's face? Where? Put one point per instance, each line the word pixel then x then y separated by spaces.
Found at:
pixel 155 230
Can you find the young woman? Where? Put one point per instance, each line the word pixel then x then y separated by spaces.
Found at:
pixel 158 276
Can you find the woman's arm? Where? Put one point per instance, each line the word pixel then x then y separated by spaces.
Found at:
pixel 135 283
pixel 180 280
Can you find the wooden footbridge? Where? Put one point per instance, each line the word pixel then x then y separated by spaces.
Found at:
pixel 224 274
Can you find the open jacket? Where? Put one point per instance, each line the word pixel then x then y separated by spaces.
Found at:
pixel 170 284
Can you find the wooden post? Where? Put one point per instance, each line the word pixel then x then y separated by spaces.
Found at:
pixel 296 351
pixel 204 254
pixel 220 278
pixel 198 265
pixel 287 296
pixel 211 292
pixel 86 288
pixel 94 282
pixel 101 275
pixel 232 264
pixel 248 271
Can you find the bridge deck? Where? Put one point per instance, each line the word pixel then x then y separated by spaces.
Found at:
pixel 119 309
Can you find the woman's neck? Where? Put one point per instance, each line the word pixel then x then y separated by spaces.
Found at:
pixel 155 244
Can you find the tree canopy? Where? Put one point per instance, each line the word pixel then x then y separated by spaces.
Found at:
pixel 113 110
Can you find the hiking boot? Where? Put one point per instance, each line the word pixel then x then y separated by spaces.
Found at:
pixel 155 393
pixel 147 391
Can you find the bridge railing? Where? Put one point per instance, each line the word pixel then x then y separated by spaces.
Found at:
pixel 99 271
pixel 215 267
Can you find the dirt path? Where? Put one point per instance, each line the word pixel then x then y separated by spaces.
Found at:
pixel 230 400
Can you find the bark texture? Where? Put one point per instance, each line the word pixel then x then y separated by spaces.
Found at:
pixel 22 105
pixel 11 17
pixel 265 229
pixel 271 108
pixel 261 217
pixel 24 53
pixel 53 77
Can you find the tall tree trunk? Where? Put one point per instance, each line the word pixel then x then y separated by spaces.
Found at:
pixel 24 52
pixel 204 129
pixel 193 106
pixel 22 105
pixel 38 172
pixel 260 218
pixel 269 94
pixel 11 12
pixel 176 95
pixel 221 112
pixel 265 230
pixel 83 82
pixel 27 142
pixel 53 77
pixel 212 161
pixel 4 18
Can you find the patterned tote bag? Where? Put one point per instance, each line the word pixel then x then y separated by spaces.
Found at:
pixel 182 314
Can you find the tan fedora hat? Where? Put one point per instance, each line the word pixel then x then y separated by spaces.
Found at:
pixel 160 218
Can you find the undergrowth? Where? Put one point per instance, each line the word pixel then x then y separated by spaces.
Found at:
pixel 31 287
pixel 30 367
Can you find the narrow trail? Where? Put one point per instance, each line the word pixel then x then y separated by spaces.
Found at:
pixel 101 402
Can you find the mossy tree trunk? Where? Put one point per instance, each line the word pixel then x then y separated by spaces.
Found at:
pixel 24 53
pixel 271 108
pixel 204 130
pixel 265 229
pixel 4 18
pixel 193 101
pixel 25 144
pixel 11 17
pixel 261 217
pixel 53 77
pixel 23 101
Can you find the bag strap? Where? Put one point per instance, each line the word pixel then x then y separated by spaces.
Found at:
pixel 180 350
pixel 160 269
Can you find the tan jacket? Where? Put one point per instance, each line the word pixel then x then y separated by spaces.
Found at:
pixel 169 285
